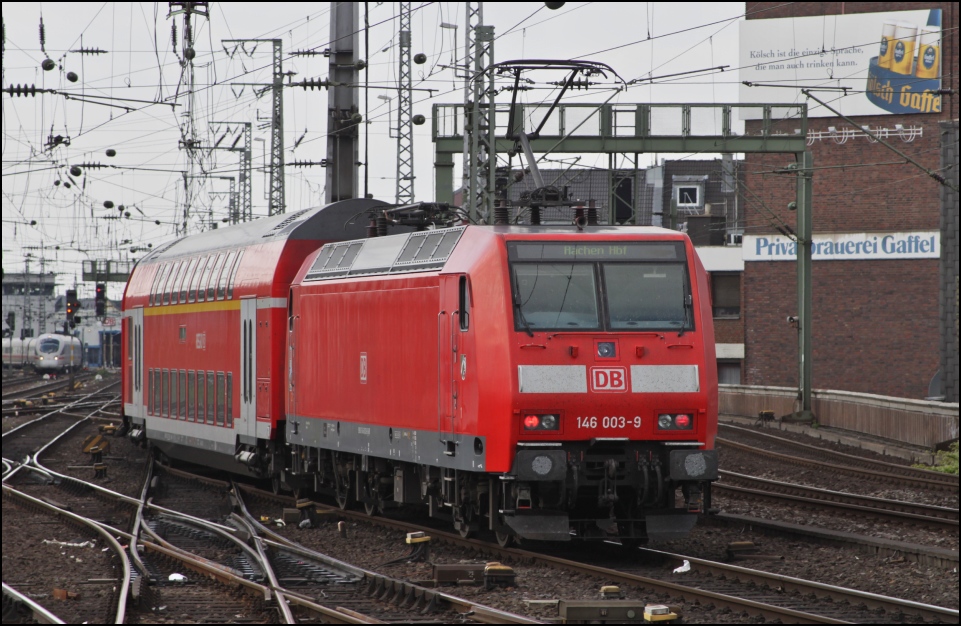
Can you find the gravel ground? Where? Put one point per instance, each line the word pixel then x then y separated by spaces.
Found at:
pixel 36 568
pixel 125 460
pixel 371 547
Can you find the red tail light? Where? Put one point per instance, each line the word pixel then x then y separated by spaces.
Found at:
pixel 531 422
pixel 682 421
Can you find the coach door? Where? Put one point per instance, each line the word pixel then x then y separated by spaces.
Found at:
pixel 248 367
pixel 135 359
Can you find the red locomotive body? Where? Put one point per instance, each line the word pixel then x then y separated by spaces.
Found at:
pixel 541 382
pixel 560 379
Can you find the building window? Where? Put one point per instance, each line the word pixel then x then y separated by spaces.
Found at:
pixel 729 372
pixel 688 196
pixel 726 294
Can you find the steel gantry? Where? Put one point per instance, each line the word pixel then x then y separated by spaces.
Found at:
pixel 643 128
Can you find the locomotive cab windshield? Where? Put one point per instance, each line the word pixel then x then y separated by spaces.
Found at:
pixel 600 286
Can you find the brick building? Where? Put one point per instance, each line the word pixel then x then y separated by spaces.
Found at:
pixel 876 322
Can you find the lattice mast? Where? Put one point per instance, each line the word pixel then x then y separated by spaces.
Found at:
pixel 405 127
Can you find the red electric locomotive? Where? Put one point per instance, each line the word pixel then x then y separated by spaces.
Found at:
pixel 542 382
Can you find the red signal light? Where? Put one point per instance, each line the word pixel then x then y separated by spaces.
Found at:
pixel 531 422
pixel 682 421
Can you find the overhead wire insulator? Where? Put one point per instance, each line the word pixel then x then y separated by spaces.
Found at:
pixel 43 37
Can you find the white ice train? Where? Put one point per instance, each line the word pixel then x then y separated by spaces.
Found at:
pixel 48 353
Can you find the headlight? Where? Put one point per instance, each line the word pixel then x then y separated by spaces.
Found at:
pixel 606 349
pixel 681 421
pixel 541 422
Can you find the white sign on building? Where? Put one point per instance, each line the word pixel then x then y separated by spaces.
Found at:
pixel 846 246
pixel 891 62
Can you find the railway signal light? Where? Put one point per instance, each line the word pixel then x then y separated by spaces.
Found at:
pixel 101 299
pixel 72 304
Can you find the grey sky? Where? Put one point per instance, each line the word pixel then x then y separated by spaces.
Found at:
pixel 147 179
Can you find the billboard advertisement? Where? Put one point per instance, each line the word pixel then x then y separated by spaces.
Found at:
pixel 890 63
pixel 846 246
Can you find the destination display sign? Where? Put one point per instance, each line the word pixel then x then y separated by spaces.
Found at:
pixel 596 251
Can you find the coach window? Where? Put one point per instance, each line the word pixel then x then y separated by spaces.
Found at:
pixel 211 397
pixel 201 396
pixel 164 393
pixel 230 400
pixel 170 290
pixel 464 303
pixel 150 403
pixel 182 398
pixel 215 277
pixel 159 283
pixel 195 280
pixel 233 274
pixel 225 275
pixel 726 294
pixel 205 278
pixel 191 386
pixel 221 404
pixel 185 280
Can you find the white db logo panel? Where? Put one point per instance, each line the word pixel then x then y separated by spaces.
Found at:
pixel 608 379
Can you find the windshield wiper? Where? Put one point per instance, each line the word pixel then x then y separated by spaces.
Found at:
pixel 688 314
pixel 516 296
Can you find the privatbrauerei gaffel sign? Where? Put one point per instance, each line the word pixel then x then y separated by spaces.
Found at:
pixel 846 246
pixel 891 62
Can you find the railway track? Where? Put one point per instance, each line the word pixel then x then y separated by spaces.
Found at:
pixel 316 586
pixel 813 456
pixel 723 586
pixel 752 487
pixel 33 388
pixel 20 443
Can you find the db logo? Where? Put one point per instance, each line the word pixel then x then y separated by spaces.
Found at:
pixel 363 368
pixel 608 379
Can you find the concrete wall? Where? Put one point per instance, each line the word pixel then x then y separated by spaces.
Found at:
pixel 917 422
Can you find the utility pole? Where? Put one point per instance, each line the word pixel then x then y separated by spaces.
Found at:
pixel 479 155
pixel 243 131
pixel 188 135
pixel 343 116
pixel 405 129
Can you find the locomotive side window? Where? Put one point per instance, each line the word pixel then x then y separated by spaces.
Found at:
pixel 648 295
pixel 463 304
pixel 191 386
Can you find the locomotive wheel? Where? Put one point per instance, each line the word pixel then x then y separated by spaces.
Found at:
pixel 371 508
pixel 505 538
pixel 466 516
